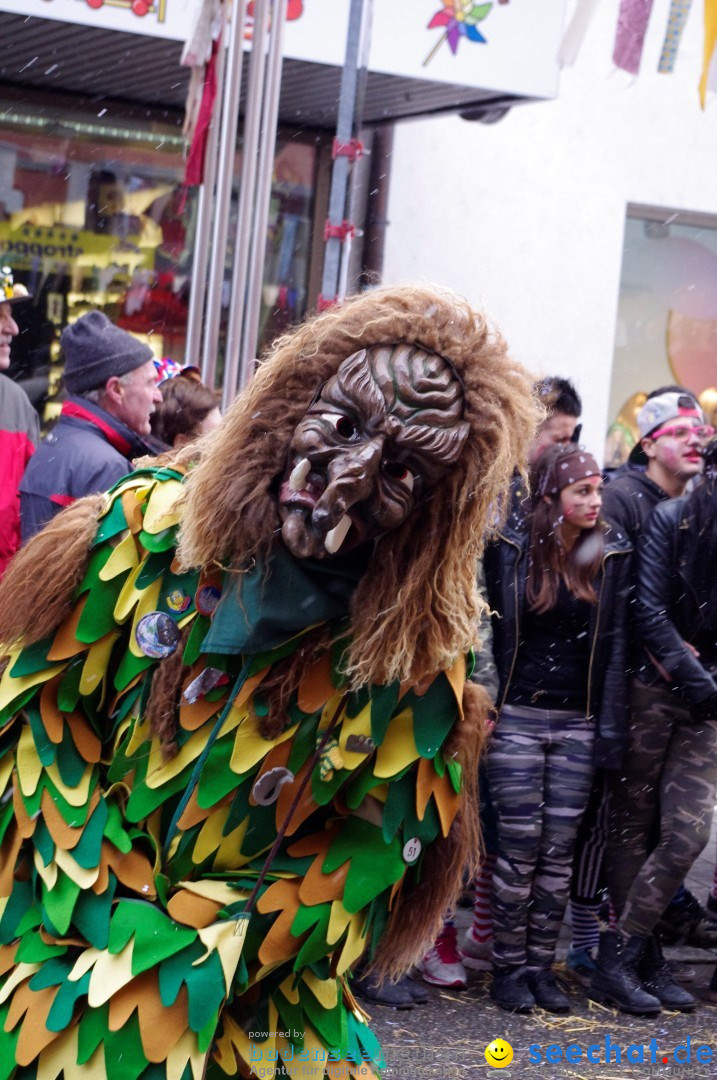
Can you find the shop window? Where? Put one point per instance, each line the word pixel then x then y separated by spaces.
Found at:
pixel 667 317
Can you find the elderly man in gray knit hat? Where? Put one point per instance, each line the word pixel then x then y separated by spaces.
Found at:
pixel 112 391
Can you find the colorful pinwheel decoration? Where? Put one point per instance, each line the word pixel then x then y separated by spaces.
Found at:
pixel 460 19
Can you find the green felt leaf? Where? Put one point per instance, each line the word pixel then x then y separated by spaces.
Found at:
pixel 374 865
pixel 130 666
pixel 144 800
pixel 68 692
pixel 156 936
pixel 12 708
pixel 30 921
pixel 160 541
pixel 400 802
pixel 316 944
pixel 92 1027
pixel 303 742
pixel 53 972
pixel 261 830
pixel 111 524
pixel 60 1014
pixel 172 971
pixel 292 1017
pixel 323 791
pixel 205 986
pixel 330 1024
pixel 73 815
pixel 239 807
pixel 358 787
pixel 383 705
pixel 92 914
pixel 357 701
pixel 32 659
pixel 216 778
pixel 154 565
pixel 59 903
pixel 70 763
pixel 193 648
pixel 434 714
pixel 454 772
pixel 20 901
pixel 46 749
pixel 88 851
pixel 97 618
pixel 470 663
pixel 124 1054
pixel 370 1046
pixel 376 923
pixel 8 1045
pixel 114 829
pixel 43 842
pixel 33 950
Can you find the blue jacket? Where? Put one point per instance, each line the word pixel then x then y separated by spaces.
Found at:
pixel 86 452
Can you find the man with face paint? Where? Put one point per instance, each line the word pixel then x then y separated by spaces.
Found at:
pixel 243 747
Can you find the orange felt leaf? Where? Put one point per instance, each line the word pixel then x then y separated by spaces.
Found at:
pixel 194 814
pixel 84 738
pixel 132 511
pixel 12 844
pixel 317 887
pixel 280 944
pixel 103 878
pixel 440 787
pixel 316 687
pixel 64 835
pixel 52 718
pixel 424 786
pixel 306 806
pixel 7 956
pixel 25 824
pixel 160 1026
pixel 134 870
pixel 34 1005
pixel 192 910
pixel 65 644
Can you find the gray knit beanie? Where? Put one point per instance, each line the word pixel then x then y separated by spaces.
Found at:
pixel 95 350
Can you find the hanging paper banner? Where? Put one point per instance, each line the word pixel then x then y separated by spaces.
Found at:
pixel 707 80
pixel 572 42
pixel 679 10
pixel 630 35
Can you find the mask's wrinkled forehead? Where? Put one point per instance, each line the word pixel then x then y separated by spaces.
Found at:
pixel 420 388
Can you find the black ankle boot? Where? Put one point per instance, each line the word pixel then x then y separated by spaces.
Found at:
pixel 615 980
pixel 547 992
pixel 510 989
pixel 657 979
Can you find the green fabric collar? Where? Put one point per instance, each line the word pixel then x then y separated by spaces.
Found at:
pixel 264 608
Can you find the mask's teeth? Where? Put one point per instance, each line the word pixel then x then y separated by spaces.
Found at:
pixel 301 470
pixel 336 536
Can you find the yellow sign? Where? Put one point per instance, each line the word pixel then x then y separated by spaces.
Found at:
pixel 23 245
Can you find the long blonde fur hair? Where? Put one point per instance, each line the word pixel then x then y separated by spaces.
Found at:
pixel 415 609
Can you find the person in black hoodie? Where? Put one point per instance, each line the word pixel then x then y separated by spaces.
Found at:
pixel 669 777
pixel 558 591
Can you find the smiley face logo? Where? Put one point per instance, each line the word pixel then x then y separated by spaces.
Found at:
pixel 499 1053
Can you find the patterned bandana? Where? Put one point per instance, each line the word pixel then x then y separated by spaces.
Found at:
pixel 576 464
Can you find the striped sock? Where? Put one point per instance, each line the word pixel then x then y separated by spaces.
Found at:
pixel 482 928
pixel 586 925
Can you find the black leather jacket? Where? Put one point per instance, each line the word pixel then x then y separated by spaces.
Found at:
pixel 668 612
pixel 506 577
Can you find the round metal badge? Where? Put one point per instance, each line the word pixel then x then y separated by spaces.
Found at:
pixel 157 635
pixel 207 599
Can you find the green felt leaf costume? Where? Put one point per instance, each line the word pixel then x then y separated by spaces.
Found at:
pixel 125 870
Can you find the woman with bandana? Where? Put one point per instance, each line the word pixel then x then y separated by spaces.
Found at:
pixel 559 593
pixel 238 745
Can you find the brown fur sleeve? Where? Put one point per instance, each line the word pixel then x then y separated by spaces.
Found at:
pixel 36 592
pixel 419 910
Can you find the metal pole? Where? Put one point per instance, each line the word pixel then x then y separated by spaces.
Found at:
pixel 225 174
pixel 263 196
pixel 250 150
pixel 356 44
pixel 205 204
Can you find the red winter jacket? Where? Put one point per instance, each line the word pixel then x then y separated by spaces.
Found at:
pixel 19 435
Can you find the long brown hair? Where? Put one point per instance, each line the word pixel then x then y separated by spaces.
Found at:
pixel 549 560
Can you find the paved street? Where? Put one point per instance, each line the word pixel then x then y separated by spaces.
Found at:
pixel 446 1038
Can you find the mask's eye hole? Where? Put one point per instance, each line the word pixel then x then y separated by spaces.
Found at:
pixel 343 425
pixel 397 471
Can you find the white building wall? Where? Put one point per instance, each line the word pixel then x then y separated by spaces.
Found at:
pixel 526 217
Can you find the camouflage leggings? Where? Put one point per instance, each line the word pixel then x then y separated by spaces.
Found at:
pixel 540 768
pixel 669 777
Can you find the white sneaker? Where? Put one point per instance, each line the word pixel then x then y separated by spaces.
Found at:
pixel 477 954
pixel 442 964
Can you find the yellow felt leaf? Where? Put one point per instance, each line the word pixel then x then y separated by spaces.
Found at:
pixel 129 595
pixel 228 856
pixel 325 991
pixel 12 688
pixel 141 733
pixel 183 1051
pixel 358 725
pixel 218 891
pixel 95 665
pixel 210 835
pixel 79 874
pixel 398 748
pixel 29 766
pixel 83 963
pixel 456 675
pixel 227 938
pixel 315 1056
pixel 354 945
pixel 76 796
pixel 162 509
pixel 18 975
pixel 339 919
pixel 110 973
pixel 60 1059
pixel 123 558
pixel 160 771
pixel 47 873
pixel 250 747
pixel 289 990
pixel 146 602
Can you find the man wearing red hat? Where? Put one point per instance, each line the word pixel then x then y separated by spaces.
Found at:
pixel 19 425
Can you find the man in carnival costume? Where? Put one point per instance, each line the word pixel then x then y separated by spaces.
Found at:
pixel 236 743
